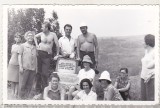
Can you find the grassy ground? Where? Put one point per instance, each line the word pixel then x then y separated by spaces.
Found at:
pixel 118 52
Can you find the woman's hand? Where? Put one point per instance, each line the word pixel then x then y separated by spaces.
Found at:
pixel 146 80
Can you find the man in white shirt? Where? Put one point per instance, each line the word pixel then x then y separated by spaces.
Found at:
pixel 67 43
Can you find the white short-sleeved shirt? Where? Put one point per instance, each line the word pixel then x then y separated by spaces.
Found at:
pixel 148 58
pixel 83 96
pixel 67 46
pixel 90 74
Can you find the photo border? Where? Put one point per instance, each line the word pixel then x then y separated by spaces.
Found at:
pixel 145 103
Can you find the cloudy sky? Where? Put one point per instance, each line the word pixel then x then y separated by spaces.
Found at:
pixel 109 20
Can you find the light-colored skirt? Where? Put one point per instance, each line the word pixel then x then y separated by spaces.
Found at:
pixel 13 73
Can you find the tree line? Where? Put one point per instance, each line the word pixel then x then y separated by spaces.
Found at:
pixel 29 19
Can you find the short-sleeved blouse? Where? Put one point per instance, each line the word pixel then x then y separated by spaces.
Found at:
pixel 116 95
pixel 83 96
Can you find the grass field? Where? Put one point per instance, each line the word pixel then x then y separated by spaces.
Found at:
pixel 118 52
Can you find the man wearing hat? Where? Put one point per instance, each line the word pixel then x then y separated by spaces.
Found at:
pixel 86 72
pixel 87 45
pixel 110 92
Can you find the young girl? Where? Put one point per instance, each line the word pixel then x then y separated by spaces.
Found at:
pixel 13 67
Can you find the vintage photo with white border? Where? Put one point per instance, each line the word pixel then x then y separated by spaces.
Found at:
pixel 81 54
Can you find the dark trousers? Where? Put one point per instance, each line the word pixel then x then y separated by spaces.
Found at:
pixel 44 60
pixel 147 90
pixel 125 95
pixel 25 83
pixel 90 54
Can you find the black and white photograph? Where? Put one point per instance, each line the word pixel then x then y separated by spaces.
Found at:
pixel 81 54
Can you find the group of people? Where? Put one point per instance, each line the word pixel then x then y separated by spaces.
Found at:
pixel 84 90
pixel 34 56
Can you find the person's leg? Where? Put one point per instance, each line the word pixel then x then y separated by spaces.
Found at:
pixel 13 88
pixel 92 56
pixel 39 62
pixel 45 71
pixel 24 79
pixel 30 83
pixel 82 54
pixel 143 90
pixel 16 89
pixel 150 90
pixel 39 72
pixel 123 95
pixel 71 90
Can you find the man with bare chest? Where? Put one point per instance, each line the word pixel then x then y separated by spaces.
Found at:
pixel 87 45
pixel 45 51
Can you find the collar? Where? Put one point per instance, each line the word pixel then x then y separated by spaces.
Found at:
pixel 90 93
pixel 26 44
pixel 64 37
pixel 50 89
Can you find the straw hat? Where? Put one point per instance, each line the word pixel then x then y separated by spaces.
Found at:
pixel 87 59
pixel 105 75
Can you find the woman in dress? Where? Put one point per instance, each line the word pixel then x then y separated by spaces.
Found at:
pixel 110 92
pixel 86 92
pixel 13 67
pixel 148 66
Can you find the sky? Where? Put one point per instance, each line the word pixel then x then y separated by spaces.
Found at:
pixel 108 20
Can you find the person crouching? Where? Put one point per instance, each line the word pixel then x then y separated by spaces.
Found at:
pixel 110 92
pixel 54 90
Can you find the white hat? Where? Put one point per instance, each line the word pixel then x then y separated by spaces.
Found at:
pixel 83 24
pixel 105 75
pixel 87 59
